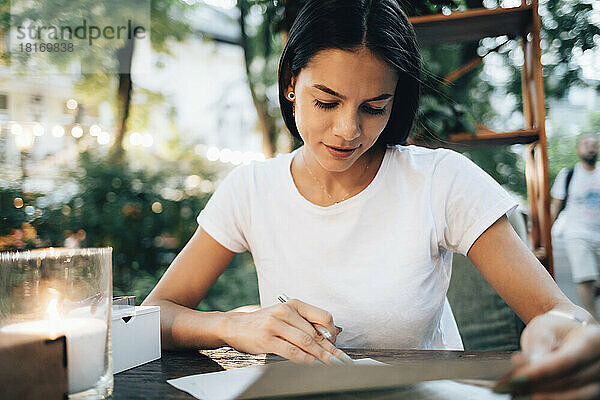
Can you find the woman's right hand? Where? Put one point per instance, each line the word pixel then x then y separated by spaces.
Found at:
pixel 284 329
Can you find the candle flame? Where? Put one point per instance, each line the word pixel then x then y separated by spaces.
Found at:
pixel 53 318
pixel 52 310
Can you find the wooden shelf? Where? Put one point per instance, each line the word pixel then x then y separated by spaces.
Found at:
pixel 472 25
pixel 490 138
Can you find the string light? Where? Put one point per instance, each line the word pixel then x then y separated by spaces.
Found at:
pixel 225 155
pixel 77 132
pixel 237 157
pixel 234 157
pixel 103 138
pixel 95 130
pixel 135 138
pixel 147 140
pixel 38 130
pixel 72 104
pixel 24 141
pixel 213 153
pixel 58 131
pixel 16 129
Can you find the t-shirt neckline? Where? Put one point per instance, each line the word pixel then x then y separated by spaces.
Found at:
pixel 342 205
pixel 581 168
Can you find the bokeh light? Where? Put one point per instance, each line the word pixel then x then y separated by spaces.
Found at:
pixel 135 138
pixel 103 138
pixel 58 131
pixel 72 104
pixel 192 181
pixel 16 129
pixel 24 141
pixel 213 153
pixel 157 207
pixel 237 157
pixel 77 132
pixel 95 130
pixel 225 155
pixel 225 4
pixel 38 130
pixel 147 140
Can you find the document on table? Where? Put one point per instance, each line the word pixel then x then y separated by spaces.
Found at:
pixel 427 379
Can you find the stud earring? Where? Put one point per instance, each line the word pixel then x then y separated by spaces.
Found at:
pixel 291 96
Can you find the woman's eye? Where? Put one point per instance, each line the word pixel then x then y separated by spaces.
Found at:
pixel 365 108
pixel 373 110
pixel 325 106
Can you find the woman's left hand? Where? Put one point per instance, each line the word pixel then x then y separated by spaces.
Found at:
pixel 560 359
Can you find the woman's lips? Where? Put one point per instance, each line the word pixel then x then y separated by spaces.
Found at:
pixel 339 152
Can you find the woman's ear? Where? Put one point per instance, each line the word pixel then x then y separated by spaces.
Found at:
pixel 290 89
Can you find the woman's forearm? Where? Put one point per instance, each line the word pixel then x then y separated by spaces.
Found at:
pixel 184 328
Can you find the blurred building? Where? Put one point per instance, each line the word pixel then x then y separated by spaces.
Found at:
pixel 38 121
pixel 205 79
pixel 44 125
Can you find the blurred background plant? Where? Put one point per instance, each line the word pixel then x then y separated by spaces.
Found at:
pixel 133 157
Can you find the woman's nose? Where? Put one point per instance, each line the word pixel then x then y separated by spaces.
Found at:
pixel 347 126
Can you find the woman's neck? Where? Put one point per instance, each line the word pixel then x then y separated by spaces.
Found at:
pixel 325 187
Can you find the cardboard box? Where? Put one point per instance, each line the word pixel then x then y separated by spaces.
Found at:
pixel 135 336
pixel 33 367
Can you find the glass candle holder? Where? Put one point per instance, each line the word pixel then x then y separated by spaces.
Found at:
pixel 67 292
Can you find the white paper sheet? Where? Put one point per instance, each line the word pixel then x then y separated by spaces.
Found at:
pixel 286 378
pixel 222 385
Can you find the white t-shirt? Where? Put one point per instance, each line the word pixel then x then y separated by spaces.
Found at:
pixel 581 216
pixel 380 261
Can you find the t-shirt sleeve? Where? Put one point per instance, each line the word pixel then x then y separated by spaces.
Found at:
pixel 466 202
pixel 225 217
pixel 558 188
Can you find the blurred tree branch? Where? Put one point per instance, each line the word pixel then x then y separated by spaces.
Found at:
pixel 105 57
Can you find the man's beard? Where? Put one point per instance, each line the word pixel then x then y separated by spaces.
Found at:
pixel 590 160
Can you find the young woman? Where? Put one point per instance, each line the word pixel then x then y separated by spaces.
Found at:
pixel 358 228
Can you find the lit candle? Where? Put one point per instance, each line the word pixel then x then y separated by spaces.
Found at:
pixel 86 338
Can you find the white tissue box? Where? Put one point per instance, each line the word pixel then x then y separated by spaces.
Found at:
pixel 135 336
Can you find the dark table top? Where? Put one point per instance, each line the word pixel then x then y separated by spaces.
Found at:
pixel 149 381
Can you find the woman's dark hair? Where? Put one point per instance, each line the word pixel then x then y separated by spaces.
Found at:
pixel 380 26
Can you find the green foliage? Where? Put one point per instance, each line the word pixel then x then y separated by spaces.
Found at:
pixel 593 124
pixel 262 41
pixel 453 108
pixel 440 110
pixel 439 116
pixel 165 25
pixel 238 286
pixel 569 29
pixel 561 152
pixel 502 164
pixel 10 216
pixel 145 216
pixel 124 209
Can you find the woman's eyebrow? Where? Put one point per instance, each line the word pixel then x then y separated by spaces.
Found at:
pixel 332 92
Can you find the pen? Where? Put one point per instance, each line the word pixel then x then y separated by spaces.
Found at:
pixel 324 332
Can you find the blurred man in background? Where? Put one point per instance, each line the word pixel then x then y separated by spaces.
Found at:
pixel 576 197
